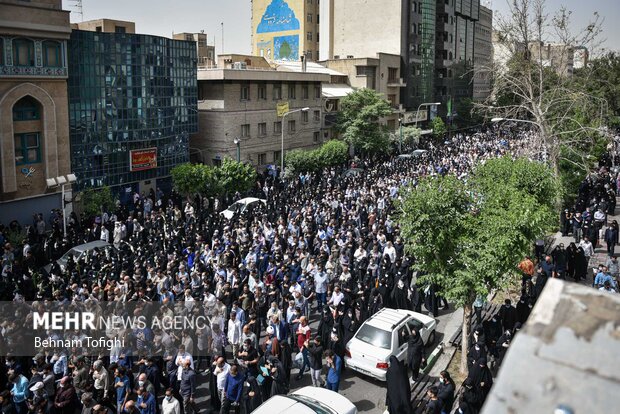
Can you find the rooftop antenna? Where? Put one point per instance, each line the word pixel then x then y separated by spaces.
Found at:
pixel 222 37
pixel 77 5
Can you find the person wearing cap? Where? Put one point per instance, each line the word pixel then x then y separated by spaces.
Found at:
pixel 65 400
pixel 39 398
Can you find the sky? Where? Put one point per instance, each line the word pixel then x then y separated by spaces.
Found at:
pixel 162 18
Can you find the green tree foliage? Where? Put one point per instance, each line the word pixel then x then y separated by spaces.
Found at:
pixel 469 237
pixel 601 78
pixel 331 153
pixel 95 201
pixel 358 121
pixel 235 176
pixel 189 179
pixel 439 127
pixel 410 135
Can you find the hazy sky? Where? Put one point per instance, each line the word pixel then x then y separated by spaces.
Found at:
pixel 161 17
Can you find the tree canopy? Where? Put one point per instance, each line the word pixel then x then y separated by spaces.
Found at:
pixel 468 237
pixel 358 121
pixel 232 176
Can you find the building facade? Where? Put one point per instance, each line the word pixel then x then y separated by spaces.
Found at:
pixel 435 40
pixel 34 137
pixel 105 26
pixel 204 51
pixel 381 73
pixel 483 55
pixel 285 30
pixel 132 108
pixel 238 113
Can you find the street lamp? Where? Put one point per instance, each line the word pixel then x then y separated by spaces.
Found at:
pixel 282 149
pixel 421 105
pixel 237 142
pixel 61 182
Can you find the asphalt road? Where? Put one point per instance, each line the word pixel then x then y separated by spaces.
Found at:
pixel 366 393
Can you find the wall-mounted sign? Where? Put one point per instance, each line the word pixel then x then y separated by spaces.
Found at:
pixel 410 117
pixel 282 108
pixel 144 159
pixel 28 171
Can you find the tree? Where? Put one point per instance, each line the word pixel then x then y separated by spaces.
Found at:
pixel 528 88
pixel 467 238
pixel 331 153
pixel 191 179
pixel 411 135
pixel 95 201
pixel 439 127
pixel 235 176
pixel 358 121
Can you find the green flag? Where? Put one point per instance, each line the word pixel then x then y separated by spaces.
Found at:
pixel 450 106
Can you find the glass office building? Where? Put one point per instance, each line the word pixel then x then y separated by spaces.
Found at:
pixel 132 107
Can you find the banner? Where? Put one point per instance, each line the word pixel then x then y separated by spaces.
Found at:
pixel 282 108
pixel 410 117
pixel 144 159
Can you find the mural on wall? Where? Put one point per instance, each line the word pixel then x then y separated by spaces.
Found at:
pixel 286 47
pixel 278 17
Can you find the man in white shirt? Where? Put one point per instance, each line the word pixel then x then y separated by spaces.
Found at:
pixel 221 372
pixel 182 357
pixel 588 249
pixel 170 405
pixel 337 297
pixel 234 332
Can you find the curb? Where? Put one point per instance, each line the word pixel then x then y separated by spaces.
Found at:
pixel 433 357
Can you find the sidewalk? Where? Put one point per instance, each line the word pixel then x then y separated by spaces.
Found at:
pixel 600 253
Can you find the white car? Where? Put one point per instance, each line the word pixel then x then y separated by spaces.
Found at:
pixel 385 334
pixel 240 206
pixel 307 400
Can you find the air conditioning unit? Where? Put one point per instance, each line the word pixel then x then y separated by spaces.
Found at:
pixel 240 65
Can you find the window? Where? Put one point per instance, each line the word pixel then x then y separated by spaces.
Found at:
pixel 26 109
pixel 291 91
pixel 120 29
pixel 316 136
pixel 98 29
pixel 262 159
pixel 23 52
pixel 52 54
pixel 309 36
pixel 318 20
pixel 403 336
pixel 262 91
pixel 317 38
pixel 317 115
pixel 309 18
pixel 277 127
pixel 317 91
pixel 277 92
pixel 262 129
pixel 366 71
pixel 304 91
pixel 392 75
pixel 304 117
pixel 245 92
pixel 291 125
pixel 374 336
pixel 27 148
pixel 277 156
pixel 245 130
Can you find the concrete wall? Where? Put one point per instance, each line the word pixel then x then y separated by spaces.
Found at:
pixel 218 128
pixel 357 35
pixel 22 210
pixel 107 25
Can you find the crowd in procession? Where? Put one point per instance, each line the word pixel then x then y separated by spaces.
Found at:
pixel 325 248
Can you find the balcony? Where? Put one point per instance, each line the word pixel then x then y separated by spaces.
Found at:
pixel 398 109
pixel 396 83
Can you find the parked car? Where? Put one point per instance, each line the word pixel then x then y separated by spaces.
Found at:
pixel 241 206
pixel 78 252
pixel 307 400
pixel 385 334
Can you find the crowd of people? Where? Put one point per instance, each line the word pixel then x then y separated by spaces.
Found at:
pixel 324 248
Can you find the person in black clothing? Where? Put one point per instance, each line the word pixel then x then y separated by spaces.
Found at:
pixel 477 351
pixel 523 310
pixel 508 315
pixel 482 378
pixel 398 397
pixel 503 343
pixel 492 332
pixel 415 353
pixel 433 406
pixel 315 354
pixel 252 396
pixel 446 390
pixel 6 403
pixel 470 401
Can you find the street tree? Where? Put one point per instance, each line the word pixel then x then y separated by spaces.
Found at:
pixel 439 127
pixel 235 176
pixel 358 121
pixel 527 87
pixel 467 238
pixel 195 179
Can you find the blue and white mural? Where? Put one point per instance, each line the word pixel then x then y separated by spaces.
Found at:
pixel 278 17
pixel 286 48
